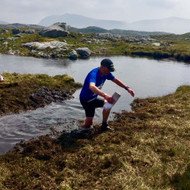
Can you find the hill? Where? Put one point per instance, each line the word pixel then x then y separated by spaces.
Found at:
pixel 94 29
pixel 172 24
pixel 19 25
pixel 80 21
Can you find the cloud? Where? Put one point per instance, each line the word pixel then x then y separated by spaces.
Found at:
pixel 32 11
pixel 166 4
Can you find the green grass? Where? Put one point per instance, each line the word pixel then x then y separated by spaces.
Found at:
pixel 148 150
pixel 179 48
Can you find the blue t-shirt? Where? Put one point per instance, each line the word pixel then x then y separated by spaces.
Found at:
pixel 94 76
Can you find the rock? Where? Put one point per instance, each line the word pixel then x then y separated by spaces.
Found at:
pixel 45 95
pixel 30 31
pixel 73 55
pixel 84 53
pixel 16 31
pixel 18 35
pixel 3 31
pixel 6 43
pixel 156 44
pixel 56 30
pixel 44 45
pixel 11 52
pixel 42 54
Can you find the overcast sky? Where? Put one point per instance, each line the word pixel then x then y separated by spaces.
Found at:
pixel 33 11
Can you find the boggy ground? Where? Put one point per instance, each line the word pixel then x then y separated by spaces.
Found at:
pixel 21 92
pixel 148 150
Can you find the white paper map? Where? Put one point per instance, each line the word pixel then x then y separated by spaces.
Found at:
pixel 115 96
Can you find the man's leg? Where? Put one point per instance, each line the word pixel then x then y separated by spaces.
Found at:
pixel 87 122
pixel 105 126
pixel 105 114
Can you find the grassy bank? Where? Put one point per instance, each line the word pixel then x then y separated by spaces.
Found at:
pixel 21 92
pixel 148 150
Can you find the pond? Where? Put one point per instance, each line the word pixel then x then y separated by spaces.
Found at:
pixel 146 77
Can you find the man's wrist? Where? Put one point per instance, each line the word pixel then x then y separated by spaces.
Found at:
pixel 104 95
pixel 127 87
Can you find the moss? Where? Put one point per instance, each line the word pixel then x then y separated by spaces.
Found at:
pixel 20 92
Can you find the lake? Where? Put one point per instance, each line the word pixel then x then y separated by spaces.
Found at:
pixel 146 77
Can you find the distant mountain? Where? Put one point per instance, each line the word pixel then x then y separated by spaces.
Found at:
pixel 2 22
pixel 89 29
pixel 18 25
pixel 171 25
pixel 79 21
pixel 94 29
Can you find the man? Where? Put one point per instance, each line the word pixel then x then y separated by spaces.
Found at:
pixel 92 88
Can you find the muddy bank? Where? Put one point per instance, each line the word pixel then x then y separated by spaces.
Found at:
pixel 21 92
pixel 148 150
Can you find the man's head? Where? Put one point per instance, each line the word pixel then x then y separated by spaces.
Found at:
pixel 108 64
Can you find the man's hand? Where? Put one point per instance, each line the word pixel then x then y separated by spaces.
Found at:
pixel 130 91
pixel 109 98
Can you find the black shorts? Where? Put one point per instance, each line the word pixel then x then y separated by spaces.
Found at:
pixel 90 107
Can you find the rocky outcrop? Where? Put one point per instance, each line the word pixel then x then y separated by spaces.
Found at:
pixel 56 30
pixel 53 49
pixel 44 45
pixel 83 53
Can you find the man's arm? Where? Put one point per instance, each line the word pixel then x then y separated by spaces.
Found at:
pixel 121 84
pixel 99 92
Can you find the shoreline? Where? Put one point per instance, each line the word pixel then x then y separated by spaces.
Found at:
pixel 131 54
pixel 22 92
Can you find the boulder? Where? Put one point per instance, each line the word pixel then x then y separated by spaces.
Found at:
pixel 56 30
pixel 73 55
pixel 83 53
pixel 157 44
pixel 16 31
pixel 3 31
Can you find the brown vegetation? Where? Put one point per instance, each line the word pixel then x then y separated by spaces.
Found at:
pixel 21 92
pixel 148 150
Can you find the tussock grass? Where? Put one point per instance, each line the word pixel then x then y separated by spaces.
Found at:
pixel 148 150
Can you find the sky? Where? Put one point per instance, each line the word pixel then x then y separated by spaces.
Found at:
pixel 33 11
